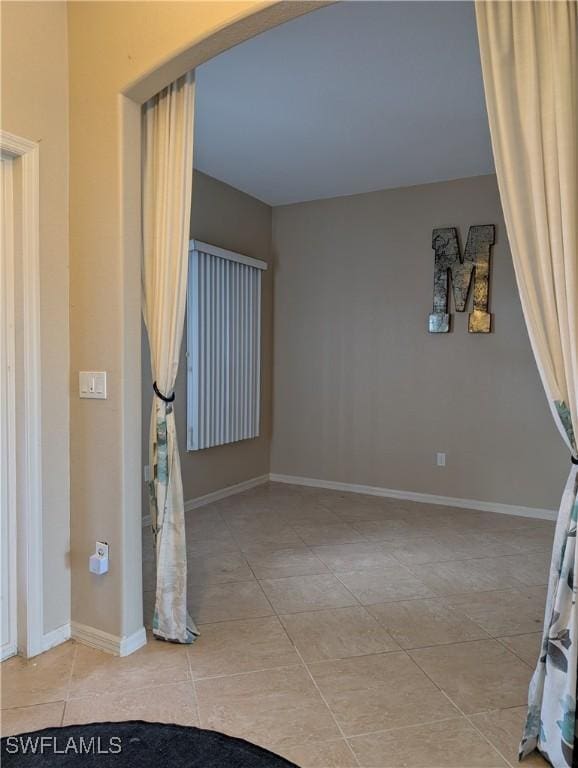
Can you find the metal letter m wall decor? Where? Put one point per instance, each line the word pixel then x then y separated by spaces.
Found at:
pixel 474 263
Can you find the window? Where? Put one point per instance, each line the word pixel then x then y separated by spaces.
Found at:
pixel 223 346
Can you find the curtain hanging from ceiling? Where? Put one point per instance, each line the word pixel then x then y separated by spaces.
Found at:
pixel 530 69
pixel 166 210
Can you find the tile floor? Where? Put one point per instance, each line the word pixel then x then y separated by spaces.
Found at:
pixel 336 629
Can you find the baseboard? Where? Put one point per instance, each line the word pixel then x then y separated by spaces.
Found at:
pixel 426 498
pixel 119 646
pixel 208 498
pixel 55 637
pixel 133 642
pixel 223 493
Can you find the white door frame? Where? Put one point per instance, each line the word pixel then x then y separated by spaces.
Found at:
pixel 30 620
pixel 7 410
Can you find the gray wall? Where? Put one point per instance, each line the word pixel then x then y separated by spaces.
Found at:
pixel 228 218
pixel 363 394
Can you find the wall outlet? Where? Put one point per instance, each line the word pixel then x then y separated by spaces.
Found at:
pixel 98 562
pixel 102 549
pixel 440 459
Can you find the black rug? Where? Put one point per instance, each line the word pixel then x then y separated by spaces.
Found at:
pixel 133 744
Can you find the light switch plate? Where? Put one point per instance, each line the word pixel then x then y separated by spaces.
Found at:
pixel 92 384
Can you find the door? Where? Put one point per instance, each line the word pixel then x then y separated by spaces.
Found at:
pixel 8 588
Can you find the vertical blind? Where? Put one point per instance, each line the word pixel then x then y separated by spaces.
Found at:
pixel 223 346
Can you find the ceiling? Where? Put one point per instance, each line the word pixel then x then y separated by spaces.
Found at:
pixel 350 98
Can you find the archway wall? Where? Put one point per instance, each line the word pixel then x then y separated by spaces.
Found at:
pixel 120 53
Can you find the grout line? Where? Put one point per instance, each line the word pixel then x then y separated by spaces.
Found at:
pixel 341 731
pixel 121 691
pixel 30 706
pixel 462 713
pixel 404 727
pixel 517 655
pixel 475 727
pixel 69 682
pixel 249 672
pixel 194 687
pixel 234 524
pixel 483 735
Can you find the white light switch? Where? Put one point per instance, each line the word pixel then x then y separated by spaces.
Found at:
pixel 92 384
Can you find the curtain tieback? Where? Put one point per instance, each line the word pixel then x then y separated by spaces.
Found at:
pixel 574 460
pixel 171 397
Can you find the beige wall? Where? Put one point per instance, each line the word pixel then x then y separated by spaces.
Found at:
pixel 35 106
pixel 118 48
pixel 223 216
pixel 363 394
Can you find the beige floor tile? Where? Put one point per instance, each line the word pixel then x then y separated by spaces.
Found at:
pixel 531 539
pixel 426 550
pixel 218 568
pixel 250 518
pixel 471 544
pixel 495 521
pixel 371 693
pixel 26 719
pixel 204 522
pixel 312 513
pixel 352 504
pixel 248 645
pixel 503 728
pixel 465 576
pixel 278 563
pixel 156 663
pixel 277 708
pixel 337 634
pixel 526 647
pixel 266 536
pixel 355 557
pixel 531 570
pixel 395 529
pixel 381 585
pixel 355 512
pixel 306 593
pixel 451 744
pixel 39 680
pixel 327 534
pixel 329 754
pixel 224 602
pixel 173 703
pixel 216 544
pixel 478 676
pixel 420 623
pixel 510 612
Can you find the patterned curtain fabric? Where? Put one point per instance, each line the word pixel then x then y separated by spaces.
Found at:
pixel 530 67
pixel 167 185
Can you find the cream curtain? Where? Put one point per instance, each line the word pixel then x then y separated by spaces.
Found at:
pixel 167 185
pixel 530 68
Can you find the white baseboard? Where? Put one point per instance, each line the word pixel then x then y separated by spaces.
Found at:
pixel 133 642
pixel 230 490
pixel 119 646
pixel 208 498
pixel 55 637
pixel 427 498
pixel 7 651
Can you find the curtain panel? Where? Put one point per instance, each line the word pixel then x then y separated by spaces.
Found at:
pixel 166 212
pixel 530 70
